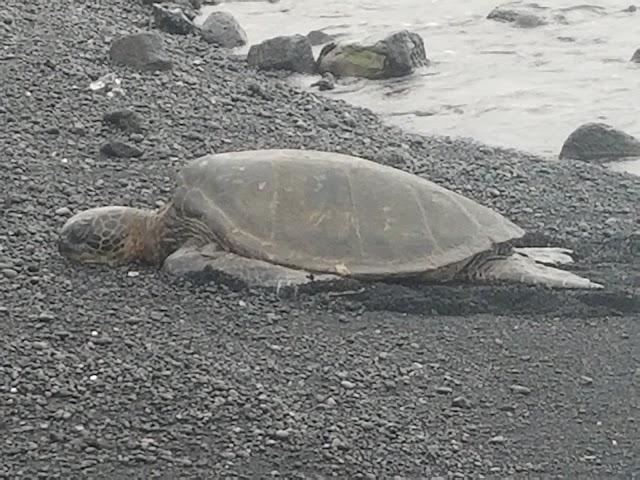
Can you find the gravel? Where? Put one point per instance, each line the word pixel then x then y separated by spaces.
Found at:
pixel 125 373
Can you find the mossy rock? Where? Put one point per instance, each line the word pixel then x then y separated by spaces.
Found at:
pixel 352 61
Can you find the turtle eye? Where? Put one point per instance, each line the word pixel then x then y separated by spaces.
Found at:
pixel 80 236
pixel 79 232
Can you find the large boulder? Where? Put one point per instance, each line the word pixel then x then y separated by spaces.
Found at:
pixel 222 29
pixel 142 51
pixel 397 55
pixel 636 56
pixel 599 142
pixel 291 53
pixel 173 18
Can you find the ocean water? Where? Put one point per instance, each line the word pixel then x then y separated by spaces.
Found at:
pixel 500 84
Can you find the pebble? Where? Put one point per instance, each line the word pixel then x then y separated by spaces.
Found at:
pixel 79 129
pixel 520 389
pixel 46 317
pixel 125 119
pixel 120 149
pixel 347 384
pixel 63 211
pixel 9 273
pixel 461 402
pixel 586 380
pixel 444 390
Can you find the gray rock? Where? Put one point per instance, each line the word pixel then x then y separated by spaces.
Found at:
pixel 318 37
pixel 599 142
pixel 52 130
pixel 404 52
pixel 291 53
pixel 327 82
pixel 142 51
pixel 172 18
pixel 119 149
pixel 222 29
pixel 46 317
pixel 397 55
pixel 636 56
pixel 526 16
pixel 124 119
pixel 282 434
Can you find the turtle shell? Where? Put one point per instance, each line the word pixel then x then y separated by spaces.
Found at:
pixel 334 213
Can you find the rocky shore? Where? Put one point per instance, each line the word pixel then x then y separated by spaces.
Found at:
pixel 113 373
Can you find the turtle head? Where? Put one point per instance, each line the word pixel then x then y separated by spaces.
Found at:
pixel 105 235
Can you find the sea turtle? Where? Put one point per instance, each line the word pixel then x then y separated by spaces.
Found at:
pixel 285 216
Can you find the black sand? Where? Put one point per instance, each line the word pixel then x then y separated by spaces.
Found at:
pixel 107 375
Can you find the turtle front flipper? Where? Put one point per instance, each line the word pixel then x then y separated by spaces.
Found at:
pixel 235 270
pixel 519 268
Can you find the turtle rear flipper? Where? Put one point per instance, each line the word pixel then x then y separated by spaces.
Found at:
pixel 235 270
pixel 520 268
pixel 547 255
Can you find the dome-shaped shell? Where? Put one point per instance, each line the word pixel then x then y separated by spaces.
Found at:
pixel 328 212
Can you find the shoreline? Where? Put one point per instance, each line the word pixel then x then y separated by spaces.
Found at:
pixel 106 374
pixel 425 102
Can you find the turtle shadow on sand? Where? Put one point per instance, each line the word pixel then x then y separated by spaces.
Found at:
pixel 469 300
pixel 460 299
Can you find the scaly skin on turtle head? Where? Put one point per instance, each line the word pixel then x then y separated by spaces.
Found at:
pixel 111 235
